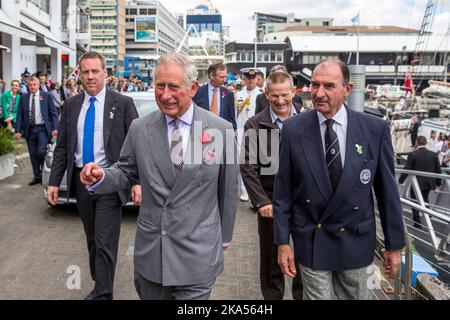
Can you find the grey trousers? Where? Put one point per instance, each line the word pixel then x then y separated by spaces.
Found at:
pixel 148 290
pixel 328 285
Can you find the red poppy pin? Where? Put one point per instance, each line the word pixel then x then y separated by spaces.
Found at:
pixel 224 94
pixel 41 98
pixel 205 138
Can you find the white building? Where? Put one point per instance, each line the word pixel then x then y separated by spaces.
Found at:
pixel 32 37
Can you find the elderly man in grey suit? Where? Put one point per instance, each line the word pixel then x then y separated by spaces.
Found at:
pixel 189 187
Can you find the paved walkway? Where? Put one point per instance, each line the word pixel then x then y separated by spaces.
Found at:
pixel 38 245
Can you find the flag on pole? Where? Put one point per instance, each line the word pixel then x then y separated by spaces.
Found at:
pixel 75 74
pixel 355 19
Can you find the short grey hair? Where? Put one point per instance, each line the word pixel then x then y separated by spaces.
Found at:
pixel 33 78
pixel 278 67
pixel 181 60
pixel 280 77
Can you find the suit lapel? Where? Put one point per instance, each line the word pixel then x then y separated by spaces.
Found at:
pixel 353 163
pixel 312 145
pixel 109 110
pixel 75 109
pixel 190 169
pixel 159 143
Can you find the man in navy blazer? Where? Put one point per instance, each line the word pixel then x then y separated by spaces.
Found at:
pixel 204 97
pixel 37 121
pixel 331 159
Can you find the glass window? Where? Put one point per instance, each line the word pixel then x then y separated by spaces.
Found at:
pixel 133 11
pixel 143 11
pixel 217 27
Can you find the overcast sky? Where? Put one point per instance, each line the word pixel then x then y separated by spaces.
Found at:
pixel 402 13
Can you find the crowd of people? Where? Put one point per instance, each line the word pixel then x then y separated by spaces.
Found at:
pixel 188 197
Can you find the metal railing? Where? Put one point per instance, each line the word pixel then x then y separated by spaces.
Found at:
pixel 429 211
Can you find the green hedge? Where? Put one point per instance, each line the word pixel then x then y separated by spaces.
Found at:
pixel 7 143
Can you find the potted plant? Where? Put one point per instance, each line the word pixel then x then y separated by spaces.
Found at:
pixel 7 146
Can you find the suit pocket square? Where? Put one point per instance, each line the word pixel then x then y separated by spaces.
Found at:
pixel 210 157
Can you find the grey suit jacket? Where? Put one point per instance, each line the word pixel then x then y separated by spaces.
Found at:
pixel 183 222
pixel 114 132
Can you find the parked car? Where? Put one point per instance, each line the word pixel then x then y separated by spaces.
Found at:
pixel 145 103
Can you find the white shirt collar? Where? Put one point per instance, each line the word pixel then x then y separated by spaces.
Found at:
pixel 99 97
pixel 187 117
pixel 340 117
pixel 211 87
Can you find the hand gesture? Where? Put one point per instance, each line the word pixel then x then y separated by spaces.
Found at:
pixel 91 174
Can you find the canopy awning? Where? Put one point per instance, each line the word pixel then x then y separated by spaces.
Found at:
pixel 7 26
pixel 49 38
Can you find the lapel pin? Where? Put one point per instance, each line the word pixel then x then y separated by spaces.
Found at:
pixel 359 148
pixel 111 115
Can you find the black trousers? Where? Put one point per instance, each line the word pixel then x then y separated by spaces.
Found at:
pixel 425 194
pixel 101 216
pixel 270 274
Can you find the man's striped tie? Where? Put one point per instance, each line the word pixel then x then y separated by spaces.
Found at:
pixel 176 148
pixel 332 154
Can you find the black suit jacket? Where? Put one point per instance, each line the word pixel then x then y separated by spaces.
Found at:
pixel 48 112
pixel 336 230
pixel 227 112
pixel 260 186
pixel 423 159
pixel 115 129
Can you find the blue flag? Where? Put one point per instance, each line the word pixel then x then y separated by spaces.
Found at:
pixel 355 19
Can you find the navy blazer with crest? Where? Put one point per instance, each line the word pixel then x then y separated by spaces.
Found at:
pixel 48 112
pixel 336 231
pixel 227 111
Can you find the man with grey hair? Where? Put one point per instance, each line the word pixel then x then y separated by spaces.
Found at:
pixel 189 187
pixel 332 161
pixel 261 100
pixel 258 173
pixel 37 122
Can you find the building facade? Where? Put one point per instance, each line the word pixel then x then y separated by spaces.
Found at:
pixel 31 36
pixel 387 52
pixel 107 37
pixel 151 31
pixel 241 55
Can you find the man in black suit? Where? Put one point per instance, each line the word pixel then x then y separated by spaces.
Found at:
pixel 214 97
pixel 43 78
pixel 414 129
pixel 37 122
pixel 424 160
pixel 331 159
pixel 93 126
pixel 258 172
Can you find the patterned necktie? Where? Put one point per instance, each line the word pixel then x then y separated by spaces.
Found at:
pixel 176 148
pixel 33 110
pixel 332 154
pixel 88 136
pixel 214 104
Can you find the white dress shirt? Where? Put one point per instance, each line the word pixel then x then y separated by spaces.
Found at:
pixel 37 99
pixel 184 124
pixel 210 96
pixel 339 126
pixel 99 148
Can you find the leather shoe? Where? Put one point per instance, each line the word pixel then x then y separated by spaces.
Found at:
pixel 34 181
